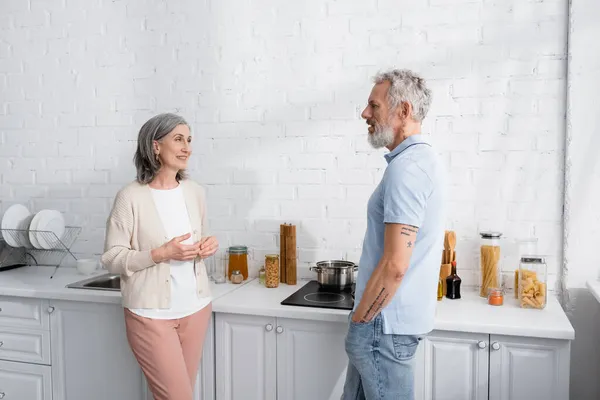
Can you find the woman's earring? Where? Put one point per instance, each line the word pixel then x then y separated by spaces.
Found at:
pixel 157 159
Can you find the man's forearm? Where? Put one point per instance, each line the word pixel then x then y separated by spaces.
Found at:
pixel 387 276
pixel 379 292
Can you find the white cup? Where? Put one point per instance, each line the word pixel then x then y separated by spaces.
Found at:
pixel 87 266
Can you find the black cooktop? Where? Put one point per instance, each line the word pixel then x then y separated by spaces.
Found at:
pixel 312 295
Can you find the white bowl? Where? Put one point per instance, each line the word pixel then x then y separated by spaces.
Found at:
pixel 87 266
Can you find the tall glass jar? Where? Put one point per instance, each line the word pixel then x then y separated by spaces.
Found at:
pixel 272 270
pixel 490 274
pixel 533 282
pixel 238 260
pixel 525 247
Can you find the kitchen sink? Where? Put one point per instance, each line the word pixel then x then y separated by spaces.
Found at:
pixel 102 282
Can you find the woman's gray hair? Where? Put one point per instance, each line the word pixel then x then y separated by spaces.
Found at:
pixel 156 128
pixel 406 86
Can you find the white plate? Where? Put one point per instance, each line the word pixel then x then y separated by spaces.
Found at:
pixel 47 221
pixel 14 219
pixel 24 237
pixel 31 235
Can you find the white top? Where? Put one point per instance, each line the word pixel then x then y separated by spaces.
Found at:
pixel 173 214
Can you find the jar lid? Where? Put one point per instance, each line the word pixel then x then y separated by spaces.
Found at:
pixel 238 249
pixel 236 272
pixel 490 235
pixel 495 292
pixel 533 259
pixel 272 256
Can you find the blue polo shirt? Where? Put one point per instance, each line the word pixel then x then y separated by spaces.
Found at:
pixel 411 192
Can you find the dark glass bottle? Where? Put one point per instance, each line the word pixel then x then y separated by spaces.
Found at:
pixel 453 282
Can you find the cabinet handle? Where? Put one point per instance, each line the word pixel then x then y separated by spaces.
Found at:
pixel 2 394
pixel 279 329
pixel 50 310
pixel 495 346
pixel 481 345
pixel 1 343
pixel 268 327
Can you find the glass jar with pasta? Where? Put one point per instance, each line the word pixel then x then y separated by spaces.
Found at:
pixel 272 270
pixel 532 282
pixel 490 274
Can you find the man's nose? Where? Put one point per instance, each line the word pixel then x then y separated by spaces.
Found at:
pixel 366 114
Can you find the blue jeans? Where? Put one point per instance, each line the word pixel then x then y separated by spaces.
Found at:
pixel 381 366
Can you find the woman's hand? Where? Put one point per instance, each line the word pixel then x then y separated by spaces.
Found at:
pixel 175 250
pixel 208 246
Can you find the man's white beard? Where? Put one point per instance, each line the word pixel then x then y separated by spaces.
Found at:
pixel 382 137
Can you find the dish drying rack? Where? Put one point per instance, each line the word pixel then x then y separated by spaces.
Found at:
pixel 16 257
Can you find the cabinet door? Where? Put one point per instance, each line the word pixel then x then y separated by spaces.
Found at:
pixel 23 312
pixel 529 368
pixel 456 366
pixel 25 381
pixel 91 358
pixel 310 358
pixel 246 363
pixel 205 381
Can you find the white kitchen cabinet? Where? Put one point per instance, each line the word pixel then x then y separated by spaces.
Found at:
pixel 21 381
pixel 91 358
pixel 246 357
pixel 455 366
pixel 277 358
pixel 459 365
pixel 23 312
pixel 25 345
pixel 528 368
pixel 310 358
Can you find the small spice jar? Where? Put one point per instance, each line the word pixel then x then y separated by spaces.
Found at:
pixel 261 276
pixel 495 297
pixel 272 270
pixel 237 277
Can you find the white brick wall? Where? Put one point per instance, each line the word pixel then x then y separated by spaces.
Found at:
pixel 273 92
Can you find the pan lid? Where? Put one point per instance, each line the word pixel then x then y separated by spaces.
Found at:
pixel 335 264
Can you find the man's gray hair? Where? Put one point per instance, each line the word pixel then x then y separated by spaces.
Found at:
pixel 156 128
pixel 406 86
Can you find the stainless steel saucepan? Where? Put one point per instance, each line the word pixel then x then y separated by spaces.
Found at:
pixel 335 274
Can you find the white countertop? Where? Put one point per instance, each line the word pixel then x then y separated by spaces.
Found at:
pixel 469 314
pixel 594 287
pixel 35 282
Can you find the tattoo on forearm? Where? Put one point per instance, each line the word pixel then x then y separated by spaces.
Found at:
pixel 409 229
pixel 376 306
pixel 405 233
pixel 409 244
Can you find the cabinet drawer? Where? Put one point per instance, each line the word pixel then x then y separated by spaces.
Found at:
pixel 17 344
pixel 24 312
pixel 20 381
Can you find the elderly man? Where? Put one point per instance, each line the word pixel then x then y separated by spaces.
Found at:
pixel 395 296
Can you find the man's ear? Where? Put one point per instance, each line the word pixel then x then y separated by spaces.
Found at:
pixel 405 109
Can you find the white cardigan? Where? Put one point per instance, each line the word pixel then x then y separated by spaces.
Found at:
pixel 133 229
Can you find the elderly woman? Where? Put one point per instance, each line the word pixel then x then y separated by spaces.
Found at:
pixel 156 239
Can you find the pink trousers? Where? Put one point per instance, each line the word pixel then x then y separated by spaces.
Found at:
pixel 168 351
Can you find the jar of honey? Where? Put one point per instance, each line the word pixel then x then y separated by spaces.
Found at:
pixel 238 260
